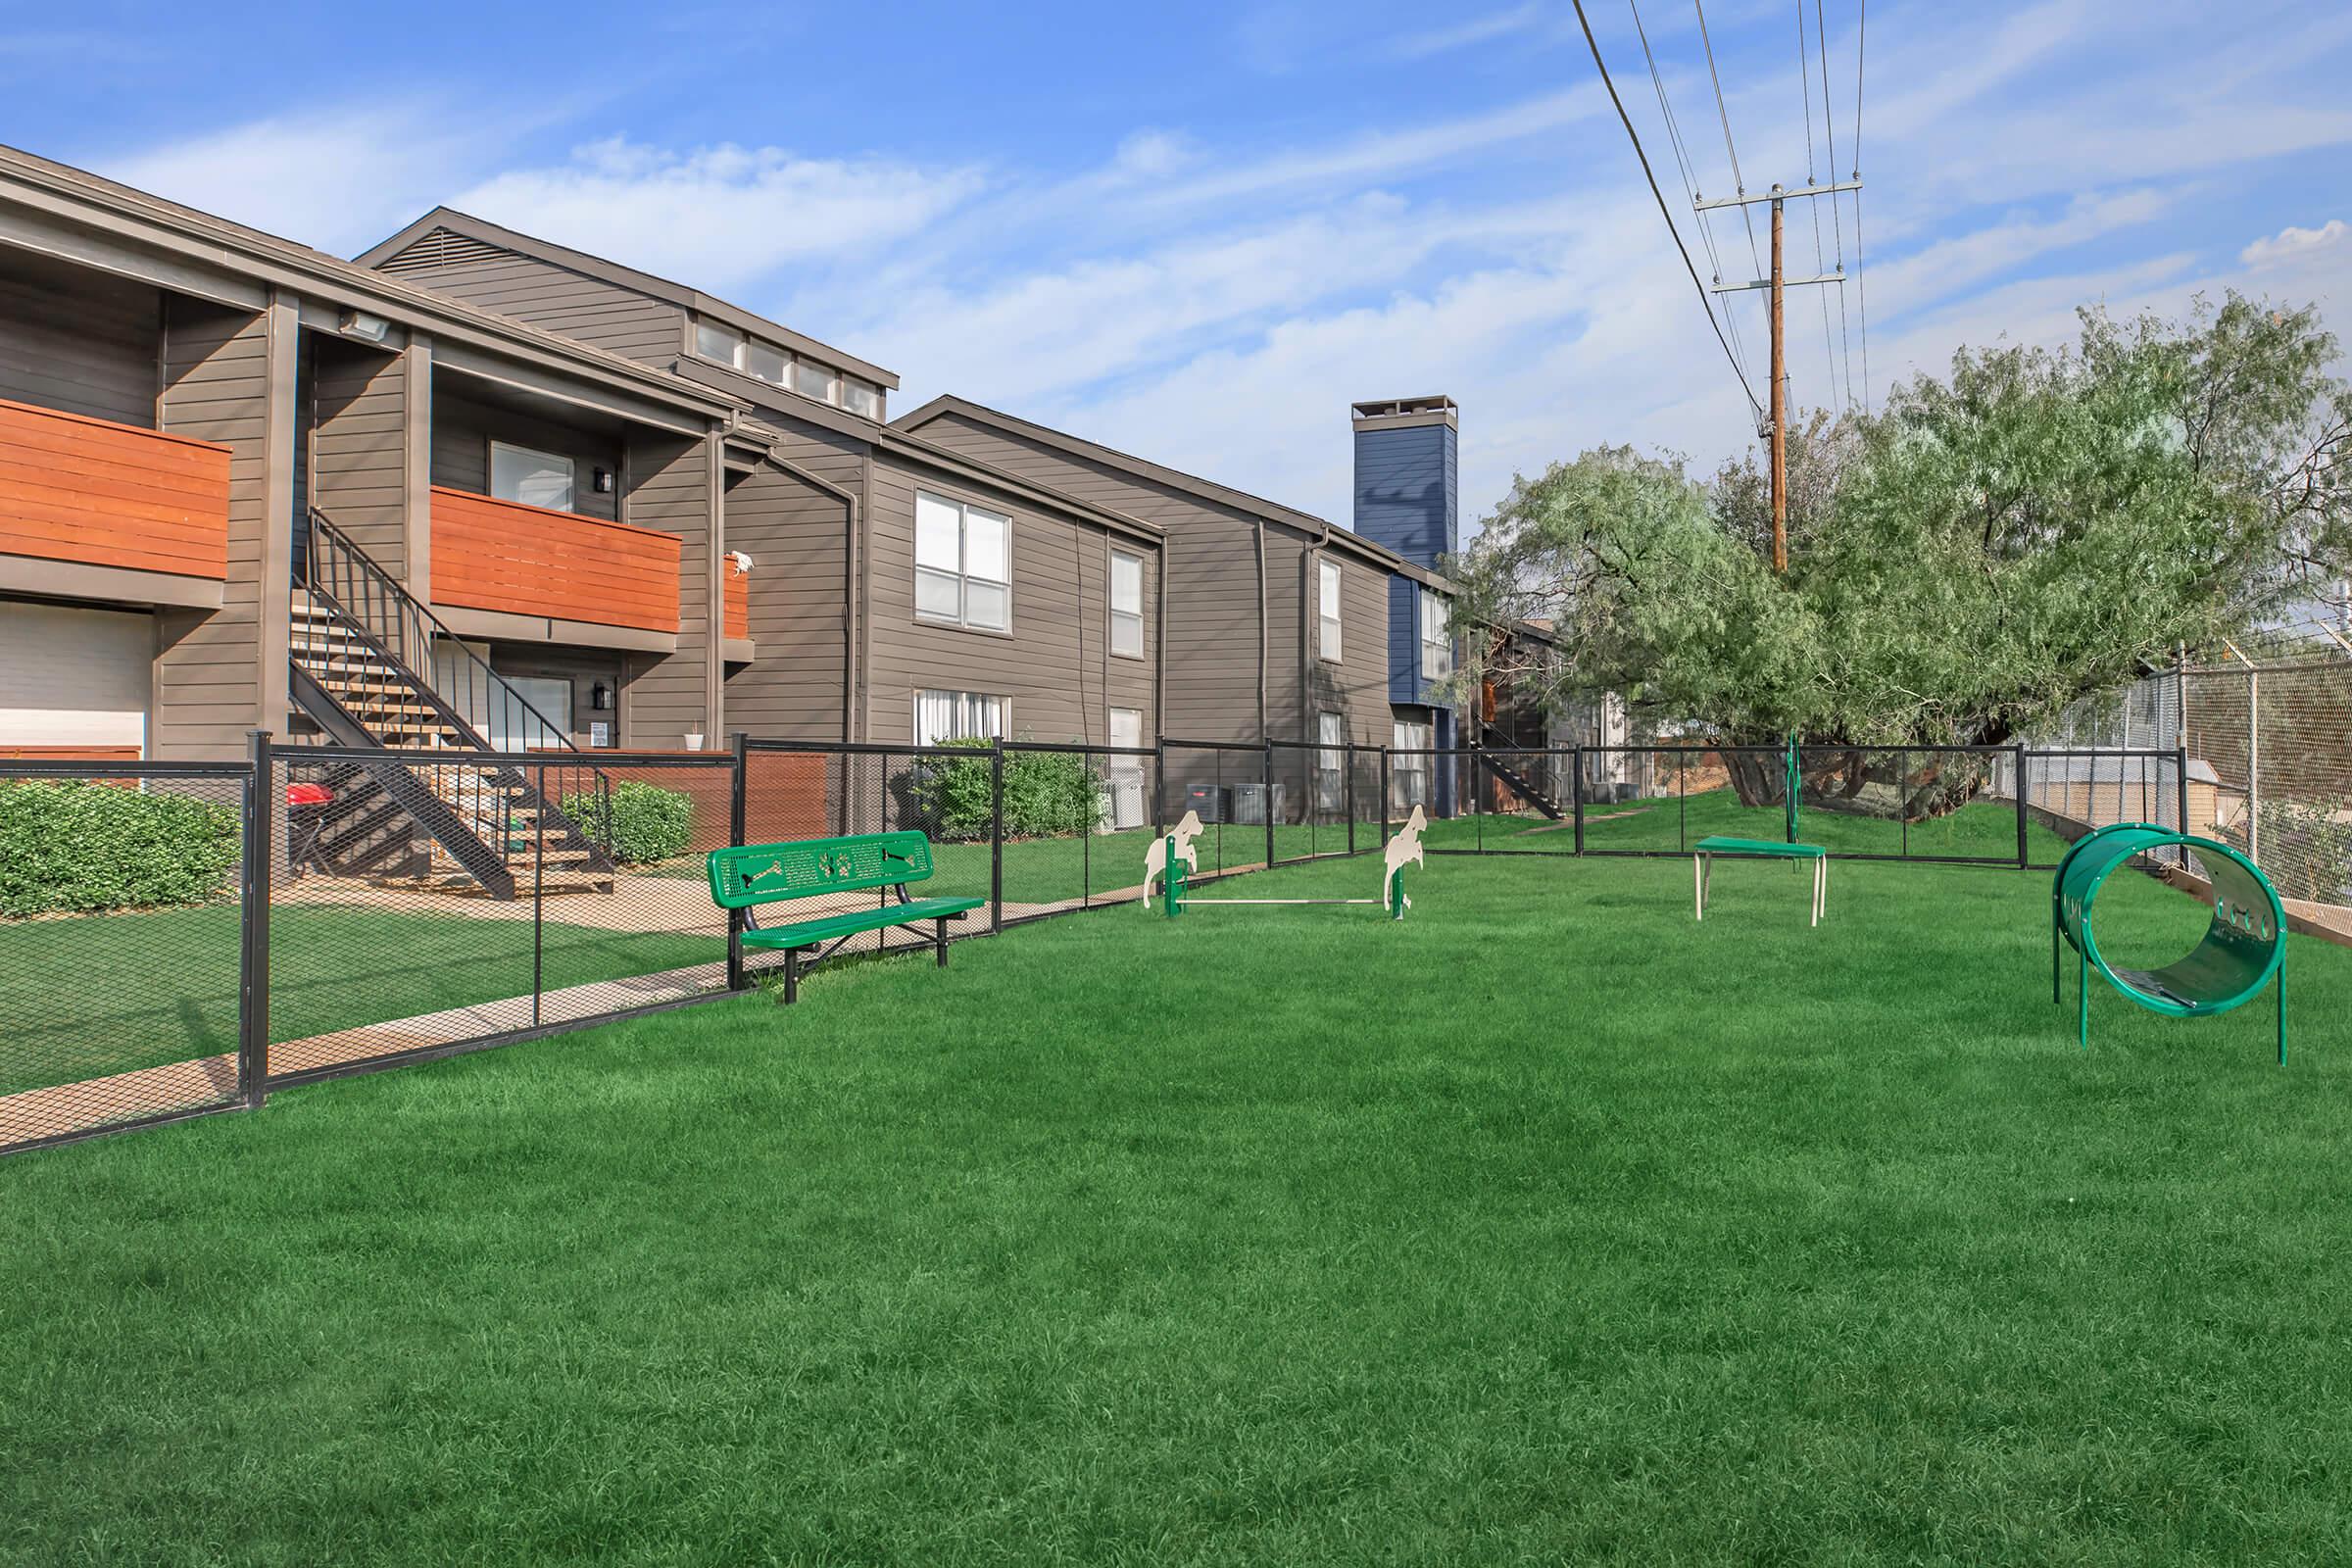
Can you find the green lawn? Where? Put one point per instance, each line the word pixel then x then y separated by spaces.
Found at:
pixel 1545 1226
pixel 111 993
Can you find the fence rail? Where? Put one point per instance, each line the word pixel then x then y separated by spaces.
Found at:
pixel 301 922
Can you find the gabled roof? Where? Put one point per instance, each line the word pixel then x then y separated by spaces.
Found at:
pixel 628 277
pixel 1174 478
pixel 204 240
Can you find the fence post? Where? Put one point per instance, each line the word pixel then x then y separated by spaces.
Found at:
pixel 2181 792
pixel 1575 794
pixel 996 835
pixel 253 897
pixel 739 745
pixel 1381 805
pixel 2018 761
pixel 1268 801
pixel 1349 754
pixel 1159 783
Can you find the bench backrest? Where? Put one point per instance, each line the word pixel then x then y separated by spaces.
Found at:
pixel 769 873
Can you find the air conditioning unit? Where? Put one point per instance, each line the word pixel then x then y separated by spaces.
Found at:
pixel 1206 801
pixel 1249 805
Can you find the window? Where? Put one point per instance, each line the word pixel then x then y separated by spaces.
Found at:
pixel 861 397
pixel 1436 638
pixel 942 717
pixel 536 478
pixel 1330 645
pixel 715 342
pixel 1125 774
pixel 1409 767
pixel 770 364
pixel 1126 604
pixel 1331 760
pixel 962 564
pixel 812 381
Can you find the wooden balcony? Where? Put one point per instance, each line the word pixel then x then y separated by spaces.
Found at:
pixel 529 560
pixel 738 624
pixel 99 493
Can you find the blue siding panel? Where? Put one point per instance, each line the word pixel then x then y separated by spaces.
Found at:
pixel 1407 491
pixel 1405 641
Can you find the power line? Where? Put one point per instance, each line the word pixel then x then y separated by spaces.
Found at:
pixel 1829 128
pixel 1663 212
pixel 1684 164
pixel 1739 183
pixel 1805 73
pixel 1861 289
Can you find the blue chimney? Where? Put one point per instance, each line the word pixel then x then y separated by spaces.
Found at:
pixel 1407 486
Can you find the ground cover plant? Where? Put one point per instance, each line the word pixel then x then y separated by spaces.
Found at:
pixel 1543 1226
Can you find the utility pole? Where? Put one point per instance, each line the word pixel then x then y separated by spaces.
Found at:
pixel 1778 429
pixel 1779 403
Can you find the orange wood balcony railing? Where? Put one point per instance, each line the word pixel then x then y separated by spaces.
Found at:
pixel 739 600
pixel 102 494
pixel 531 561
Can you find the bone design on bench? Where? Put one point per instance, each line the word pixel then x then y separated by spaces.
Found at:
pixel 749 878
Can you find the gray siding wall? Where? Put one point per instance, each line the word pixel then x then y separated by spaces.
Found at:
pixel 798 538
pixel 357 447
pixel 558 300
pixel 1358 685
pixel 1211 571
pixel 1055 668
pixel 463 426
pixel 667 696
pixel 89 348
pixel 217 387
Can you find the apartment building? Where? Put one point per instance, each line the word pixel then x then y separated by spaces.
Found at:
pixel 913 592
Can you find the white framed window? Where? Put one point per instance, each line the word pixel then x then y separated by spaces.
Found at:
pixel 861 397
pixel 716 342
pixel 1437 637
pixel 1126 604
pixel 944 716
pixel 1408 774
pixel 1331 759
pixel 535 478
pixel 1328 601
pixel 767 362
pixel 813 381
pixel 1125 776
pixel 962 563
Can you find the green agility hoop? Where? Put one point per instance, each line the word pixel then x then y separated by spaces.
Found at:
pixel 2243 948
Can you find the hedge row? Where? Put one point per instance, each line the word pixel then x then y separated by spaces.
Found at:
pixel 80 847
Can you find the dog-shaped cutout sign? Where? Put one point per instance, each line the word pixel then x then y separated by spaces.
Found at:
pixel 1405 846
pixel 1155 858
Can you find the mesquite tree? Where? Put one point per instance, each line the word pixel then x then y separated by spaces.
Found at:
pixel 2034 527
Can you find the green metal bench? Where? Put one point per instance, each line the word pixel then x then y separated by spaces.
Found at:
pixel 1703 853
pixel 752 876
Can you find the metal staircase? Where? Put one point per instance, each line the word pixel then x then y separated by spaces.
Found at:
pixel 1512 779
pixel 371 667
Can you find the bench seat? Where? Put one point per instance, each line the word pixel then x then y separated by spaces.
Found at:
pixel 1759 849
pixel 849 922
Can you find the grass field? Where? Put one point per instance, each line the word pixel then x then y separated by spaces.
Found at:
pixel 1543 1226
pixel 113 993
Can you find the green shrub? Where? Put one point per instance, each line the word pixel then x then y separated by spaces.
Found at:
pixel 1046 795
pixel 637 823
pixel 79 847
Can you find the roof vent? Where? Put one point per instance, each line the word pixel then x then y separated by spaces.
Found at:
pixel 441 248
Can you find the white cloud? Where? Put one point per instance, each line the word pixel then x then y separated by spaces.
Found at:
pixel 1468 34
pixel 718 216
pixel 2292 245
pixel 336 180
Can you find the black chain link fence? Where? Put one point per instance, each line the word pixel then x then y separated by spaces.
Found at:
pixel 180 939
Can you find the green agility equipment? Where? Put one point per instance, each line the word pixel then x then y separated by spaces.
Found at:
pixel 1170 858
pixel 746 877
pixel 1703 853
pixel 2243 947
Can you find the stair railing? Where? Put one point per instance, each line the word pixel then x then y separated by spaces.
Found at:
pixel 458 683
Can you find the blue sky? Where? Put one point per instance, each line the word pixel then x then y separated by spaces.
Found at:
pixel 1198 233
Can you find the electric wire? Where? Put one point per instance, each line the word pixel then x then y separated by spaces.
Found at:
pixel 1723 110
pixel 1805 73
pixel 1663 211
pixel 1689 176
pixel 1861 288
pixel 1829 128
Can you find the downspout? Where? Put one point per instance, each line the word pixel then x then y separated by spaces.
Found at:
pixel 1261 627
pixel 1159 643
pixel 848 583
